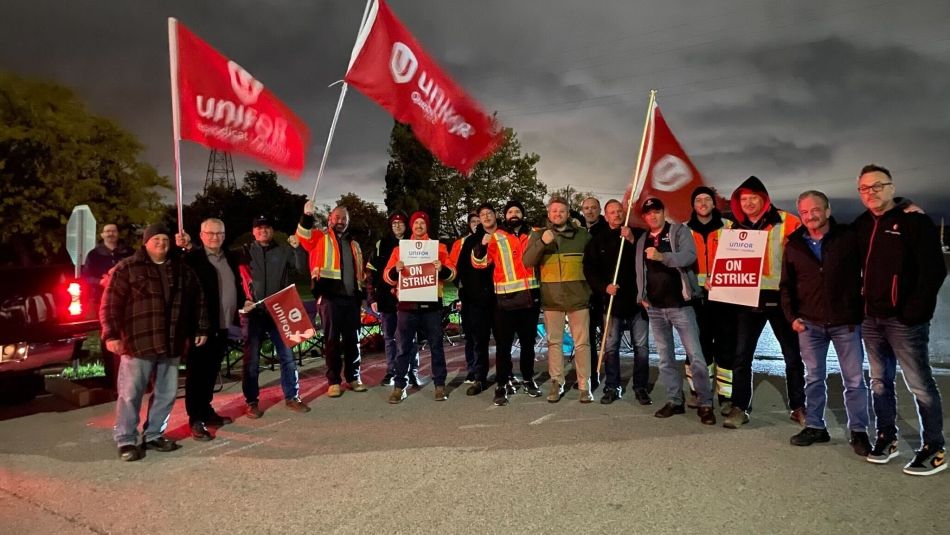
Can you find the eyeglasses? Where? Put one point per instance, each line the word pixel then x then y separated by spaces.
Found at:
pixel 212 233
pixel 877 187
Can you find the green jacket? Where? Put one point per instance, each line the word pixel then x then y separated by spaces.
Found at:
pixel 561 263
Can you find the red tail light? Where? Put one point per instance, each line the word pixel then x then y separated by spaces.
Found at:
pixel 74 290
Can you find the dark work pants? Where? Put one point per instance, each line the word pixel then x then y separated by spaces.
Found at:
pixel 469 330
pixel 480 319
pixel 749 325
pixel 203 364
pixel 340 317
pixel 508 324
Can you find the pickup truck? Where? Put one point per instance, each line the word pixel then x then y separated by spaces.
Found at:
pixel 45 316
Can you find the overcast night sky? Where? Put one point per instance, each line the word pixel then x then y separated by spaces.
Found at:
pixel 800 93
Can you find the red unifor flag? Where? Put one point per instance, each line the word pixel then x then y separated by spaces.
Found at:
pixel 666 172
pixel 290 316
pixel 223 107
pixel 390 67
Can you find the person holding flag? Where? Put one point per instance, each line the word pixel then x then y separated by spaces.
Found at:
pixel 424 317
pixel 267 268
pixel 336 280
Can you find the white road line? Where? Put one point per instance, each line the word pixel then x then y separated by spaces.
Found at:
pixel 278 422
pixel 249 446
pixel 543 419
pixel 214 446
pixel 478 426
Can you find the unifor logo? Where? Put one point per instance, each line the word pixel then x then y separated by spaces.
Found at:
pixel 402 63
pixel 419 245
pixel 670 173
pixel 743 235
pixel 295 315
pixel 244 85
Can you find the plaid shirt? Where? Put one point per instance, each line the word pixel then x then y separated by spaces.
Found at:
pixel 134 310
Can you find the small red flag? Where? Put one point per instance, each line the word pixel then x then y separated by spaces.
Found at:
pixel 390 67
pixel 223 107
pixel 666 173
pixel 290 316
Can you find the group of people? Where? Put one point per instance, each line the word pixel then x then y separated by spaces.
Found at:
pixel 822 282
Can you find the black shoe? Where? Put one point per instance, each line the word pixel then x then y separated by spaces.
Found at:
pixel 669 410
pixel 510 388
pixel 387 380
pixel 707 416
pixel 130 452
pixel 643 398
pixel 532 389
pixel 809 436
pixel 860 443
pixel 162 444
pixel 610 396
pixel 501 396
pixel 476 389
pixel 470 378
pixel 216 420
pixel 199 432
pixel 417 380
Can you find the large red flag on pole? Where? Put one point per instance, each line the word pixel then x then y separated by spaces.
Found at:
pixel 221 106
pixel 666 172
pixel 390 67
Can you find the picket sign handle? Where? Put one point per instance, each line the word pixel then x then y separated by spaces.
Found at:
pixel 633 190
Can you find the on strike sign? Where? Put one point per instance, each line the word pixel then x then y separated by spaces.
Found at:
pixel 419 280
pixel 737 269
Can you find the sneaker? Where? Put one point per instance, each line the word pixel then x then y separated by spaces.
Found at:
pixel 358 386
pixel 725 407
pixel 809 436
pixel 532 389
pixel 470 378
pixel 253 411
pixel 476 388
pixel 927 462
pixel 510 388
pixel 693 401
pixel 736 418
pixel 797 415
pixel 387 380
pixel 297 405
pixel 706 415
pixel 643 398
pixel 501 396
pixel 161 444
pixel 860 443
pixel 669 410
pixel 130 452
pixel 557 390
pixel 397 395
pixel 440 394
pixel 585 397
pixel 610 395
pixel 417 380
pixel 884 450
pixel 334 391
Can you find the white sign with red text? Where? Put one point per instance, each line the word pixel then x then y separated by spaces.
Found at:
pixel 419 280
pixel 736 272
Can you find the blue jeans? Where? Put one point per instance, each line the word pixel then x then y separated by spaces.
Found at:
pixel 814 346
pixel 133 378
pixel 639 327
pixel 408 323
pixel 256 326
pixel 388 321
pixel 888 343
pixel 683 319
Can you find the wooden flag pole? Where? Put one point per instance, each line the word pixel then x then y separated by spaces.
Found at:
pixel 633 190
pixel 176 112
pixel 336 114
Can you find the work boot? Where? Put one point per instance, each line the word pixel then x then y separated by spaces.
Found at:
pixel 556 391
pixel 736 418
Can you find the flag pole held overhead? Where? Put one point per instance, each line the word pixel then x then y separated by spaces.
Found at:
pixel 339 107
pixel 176 111
pixel 633 188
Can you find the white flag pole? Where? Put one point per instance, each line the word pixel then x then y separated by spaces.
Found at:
pixel 176 111
pixel 339 103
pixel 633 191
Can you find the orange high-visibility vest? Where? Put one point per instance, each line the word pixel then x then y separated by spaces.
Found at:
pixel 510 274
pixel 324 249
pixel 774 248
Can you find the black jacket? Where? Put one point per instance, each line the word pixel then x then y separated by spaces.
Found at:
pixel 475 285
pixel 378 291
pixel 598 227
pixel 903 265
pixel 828 291
pixel 197 258
pixel 600 260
